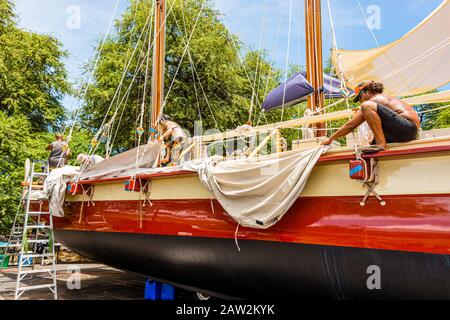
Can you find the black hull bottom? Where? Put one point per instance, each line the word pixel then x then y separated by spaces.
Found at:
pixel 268 269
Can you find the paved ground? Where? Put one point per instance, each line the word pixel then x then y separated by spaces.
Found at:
pixel 98 282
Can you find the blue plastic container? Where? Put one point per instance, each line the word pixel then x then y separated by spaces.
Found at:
pixel 167 292
pixel 26 261
pixel 155 290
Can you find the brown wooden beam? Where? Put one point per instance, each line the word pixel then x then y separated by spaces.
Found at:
pixel 158 61
pixel 314 62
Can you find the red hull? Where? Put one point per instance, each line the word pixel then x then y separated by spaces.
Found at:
pixel 416 223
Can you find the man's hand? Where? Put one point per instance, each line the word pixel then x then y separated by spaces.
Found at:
pixel 326 142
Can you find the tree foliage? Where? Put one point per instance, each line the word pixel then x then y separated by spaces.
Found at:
pixel 212 79
pixel 17 143
pixel 32 74
pixel 206 80
pixel 32 84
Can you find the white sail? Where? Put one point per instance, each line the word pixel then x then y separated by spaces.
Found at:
pixel 415 64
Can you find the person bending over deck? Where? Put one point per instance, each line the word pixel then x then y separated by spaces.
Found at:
pixel 171 130
pixel 173 137
pixel 391 119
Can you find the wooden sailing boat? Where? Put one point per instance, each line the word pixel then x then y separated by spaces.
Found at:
pixel 324 246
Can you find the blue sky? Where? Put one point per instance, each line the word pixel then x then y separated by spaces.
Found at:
pixel 246 18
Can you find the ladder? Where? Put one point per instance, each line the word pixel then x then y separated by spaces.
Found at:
pixel 31 238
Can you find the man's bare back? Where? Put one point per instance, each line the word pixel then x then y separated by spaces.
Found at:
pixel 398 106
pixel 391 119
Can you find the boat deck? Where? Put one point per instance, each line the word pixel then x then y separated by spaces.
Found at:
pixel 417 147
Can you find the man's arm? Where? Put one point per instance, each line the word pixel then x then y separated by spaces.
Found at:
pixel 167 133
pixel 49 147
pixel 357 120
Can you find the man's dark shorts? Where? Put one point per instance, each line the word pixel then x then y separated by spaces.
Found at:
pixel 395 127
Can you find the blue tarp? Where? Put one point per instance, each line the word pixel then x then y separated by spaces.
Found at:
pixel 298 89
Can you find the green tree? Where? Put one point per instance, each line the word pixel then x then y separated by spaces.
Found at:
pixel 210 85
pixel 6 14
pixel 33 79
pixel 443 119
pixel 17 143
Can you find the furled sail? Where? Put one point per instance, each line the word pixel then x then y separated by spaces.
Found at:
pixel 437 97
pixel 293 91
pixel 257 193
pixel 297 89
pixel 415 64
pixel 332 87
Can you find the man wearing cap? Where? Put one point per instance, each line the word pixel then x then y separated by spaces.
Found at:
pixel 391 119
pixel 88 162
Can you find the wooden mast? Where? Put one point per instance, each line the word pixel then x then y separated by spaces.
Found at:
pixel 158 61
pixel 314 64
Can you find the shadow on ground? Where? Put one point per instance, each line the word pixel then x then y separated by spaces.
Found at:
pixel 97 282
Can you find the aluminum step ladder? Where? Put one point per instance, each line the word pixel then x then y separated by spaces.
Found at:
pixel 31 238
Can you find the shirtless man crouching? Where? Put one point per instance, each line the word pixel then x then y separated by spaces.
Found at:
pixel 391 119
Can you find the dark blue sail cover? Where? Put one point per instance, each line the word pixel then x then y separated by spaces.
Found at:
pixel 298 89
pixel 332 87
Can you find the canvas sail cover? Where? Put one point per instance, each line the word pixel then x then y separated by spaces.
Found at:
pixel 258 193
pixel 294 91
pixel 255 192
pixel 124 164
pixel 332 87
pixel 297 89
pixel 415 64
pixel 437 97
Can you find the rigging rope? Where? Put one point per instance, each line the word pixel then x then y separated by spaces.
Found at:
pixel 95 144
pixel 257 76
pixel 271 71
pixel 182 57
pixel 236 48
pixel 194 71
pixel 378 44
pixel 435 109
pixel 140 131
pixel 96 55
pixel 287 60
pixel 126 69
pixel 127 66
